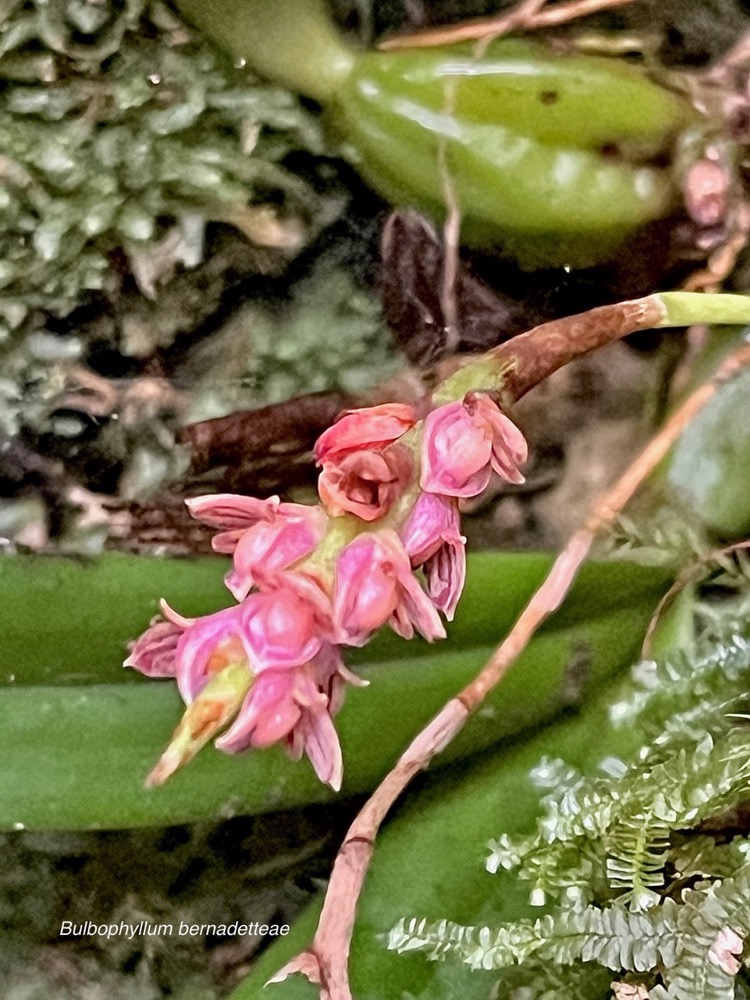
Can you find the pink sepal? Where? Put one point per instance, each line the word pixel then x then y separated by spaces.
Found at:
pixel 231 511
pixel 153 653
pixel 208 645
pixel 432 539
pixel 287 622
pixel 296 706
pixel 291 534
pixel 369 427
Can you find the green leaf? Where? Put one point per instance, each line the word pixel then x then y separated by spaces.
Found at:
pixel 709 471
pixel 68 621
pixel 77 748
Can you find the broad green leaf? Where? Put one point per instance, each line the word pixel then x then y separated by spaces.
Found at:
pixel 75 755
pixel 68 621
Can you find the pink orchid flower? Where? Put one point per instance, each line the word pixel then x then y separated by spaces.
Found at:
pixel 432 539
pixel 371 427
pixel 272 709
pixel 275 545
pixel 296 706
pixel 264 535
pixel 192 650
pixel 365 483
pixel 233 514
pixel 207 645
pixel 463 442
pixel 374 584
pixel 284 626
pixel 153 653
pixel 271 546
pixel 287 623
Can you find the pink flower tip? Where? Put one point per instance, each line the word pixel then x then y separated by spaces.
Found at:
pixel 154 652
pixel 432 540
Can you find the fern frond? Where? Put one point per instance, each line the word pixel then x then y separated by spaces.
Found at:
pixel 695 975
pixel 615 938
pixel 701 857
pixel 704 678
pixel 590 835
pixel 637 852
pixel 664 539
pixel 726 617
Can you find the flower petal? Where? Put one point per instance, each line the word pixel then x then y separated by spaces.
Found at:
pixel 323 749
pixel 229 511
pixel 368 427
pixel 463 441
pixel 270 546
pixel 374 584
pixel 208 645
pixel 286 624
pixel 268 714
pixel 153 653
pixel 365 483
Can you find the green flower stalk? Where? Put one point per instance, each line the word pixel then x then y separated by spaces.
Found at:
pixel 554 157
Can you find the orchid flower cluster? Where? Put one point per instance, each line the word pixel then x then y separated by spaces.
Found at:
pixel 382 547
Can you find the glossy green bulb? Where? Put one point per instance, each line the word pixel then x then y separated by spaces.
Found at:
pixel 555 158
pixel 552 157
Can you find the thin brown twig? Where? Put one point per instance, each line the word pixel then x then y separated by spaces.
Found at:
pixel 326 962
pixel 451 237
pixel 477 29
pixel 516 18
pixel 691 574
pixel 564 12
pixel 528 15
pixel 738 57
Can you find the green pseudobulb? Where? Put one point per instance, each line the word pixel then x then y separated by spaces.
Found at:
pixel 555 158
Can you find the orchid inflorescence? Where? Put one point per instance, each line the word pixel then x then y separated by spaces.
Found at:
pixel 383 546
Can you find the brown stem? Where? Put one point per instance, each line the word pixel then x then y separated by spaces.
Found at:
pixel 326 962
pixel 534 356
pixel 526 15
pixel 282 428
pixel 253 439
pixel 691 574
pixel 252 443
pixel 564 12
